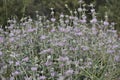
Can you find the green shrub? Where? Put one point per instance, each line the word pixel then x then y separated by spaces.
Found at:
pixel 113 10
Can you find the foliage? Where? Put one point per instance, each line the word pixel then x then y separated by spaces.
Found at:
pixel 113 10
pixel 10 8
pixel 21 8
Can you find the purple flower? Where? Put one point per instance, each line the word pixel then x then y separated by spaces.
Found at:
pixel 106 23
pixel 66 30
pixel 60 44
pixel 113 23
pixel 83 21
pixel 46 51
pixel 94 20
pixel 48 63
pixel 84 17
pixel 71 17
pixel 25 59
pixel 110 51
pixel 11 62
pixel 53 30
pixel 30 20
pixel 11 39
pixel 117 58
pixel 114 46
pixel 61 77
pixel 42 77
pixel 76 29
pixel 79 34
pixel 43 37
pixel 63 59
pixel 109 41
pixel 92 10
pixel 61 15
pixel 69 72
pixel 80 1
pixel 94 31
pixel 53 19
pixel 12 78
pixel 66 21
pixel 17 63
pixel 62 29
pixel 34 68
pixel 61 65
pixel 53 74
pixel 85 48
pixel 31 30
pixel 1 39
pixel 11 34
pixel 1 53
pixel 28 78
pixel 71 48
pixel 15 73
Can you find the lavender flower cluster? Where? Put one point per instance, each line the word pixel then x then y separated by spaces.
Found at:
pixel 66 49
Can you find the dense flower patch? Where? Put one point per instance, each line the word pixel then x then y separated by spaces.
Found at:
pixel 66 49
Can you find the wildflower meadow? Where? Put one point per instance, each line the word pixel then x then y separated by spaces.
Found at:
pixel 67 48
